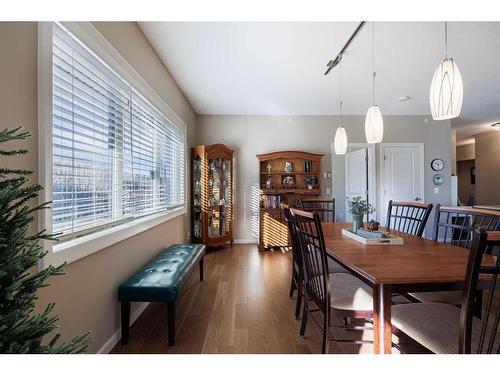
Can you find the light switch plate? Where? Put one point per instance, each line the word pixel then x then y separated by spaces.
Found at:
pixel 325 175
pixel 436 190
pixel 328 191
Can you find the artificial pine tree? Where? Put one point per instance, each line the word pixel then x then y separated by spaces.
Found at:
pixel 22 330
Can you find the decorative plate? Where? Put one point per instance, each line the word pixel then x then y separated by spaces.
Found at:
pixel 289 181
pixel 438 179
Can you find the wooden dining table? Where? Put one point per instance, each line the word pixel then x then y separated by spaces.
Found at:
pixel 419 265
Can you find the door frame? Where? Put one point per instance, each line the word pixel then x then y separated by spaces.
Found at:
pixel 372 173
pixel 382 169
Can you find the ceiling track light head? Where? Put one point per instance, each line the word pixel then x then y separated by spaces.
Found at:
pixel 333 63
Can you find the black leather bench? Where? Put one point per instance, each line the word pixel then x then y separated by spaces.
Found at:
pixel 160 280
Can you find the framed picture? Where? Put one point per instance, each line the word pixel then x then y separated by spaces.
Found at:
pixel 473 175
pixel 289 181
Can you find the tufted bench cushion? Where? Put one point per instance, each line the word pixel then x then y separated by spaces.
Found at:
pixel 160 280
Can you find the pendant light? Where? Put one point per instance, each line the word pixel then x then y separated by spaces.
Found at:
pixel 340 143
pixel 374 124
pixel 446 88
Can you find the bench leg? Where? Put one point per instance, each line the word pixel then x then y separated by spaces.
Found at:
pixel 125 305
pixel 171 323
pixel 201 269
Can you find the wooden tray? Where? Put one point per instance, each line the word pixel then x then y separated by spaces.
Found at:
pixel 392 240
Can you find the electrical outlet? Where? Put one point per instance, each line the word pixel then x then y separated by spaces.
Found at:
pixel 328 191
pixel 436 190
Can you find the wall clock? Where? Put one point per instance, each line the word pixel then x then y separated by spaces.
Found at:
pixel 438 179
pixel 437 164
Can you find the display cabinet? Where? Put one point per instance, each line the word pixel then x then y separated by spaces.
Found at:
pixel 212 195
pixel 285 177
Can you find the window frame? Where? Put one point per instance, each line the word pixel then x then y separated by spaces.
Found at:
pixel 77 248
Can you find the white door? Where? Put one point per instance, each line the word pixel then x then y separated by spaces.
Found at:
pixel 402 174
pixel 356 176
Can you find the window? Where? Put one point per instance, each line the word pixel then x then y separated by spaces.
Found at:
pixel 115 156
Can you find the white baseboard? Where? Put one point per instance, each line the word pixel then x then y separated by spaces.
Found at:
pixel 115 337
pixel 239 241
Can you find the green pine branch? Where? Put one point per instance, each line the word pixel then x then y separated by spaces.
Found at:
pixel 21 329
pixel 7 135
pixel 7 171
pixel 13 152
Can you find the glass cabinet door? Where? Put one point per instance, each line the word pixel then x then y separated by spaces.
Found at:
pixel 218 197
pixel 197 211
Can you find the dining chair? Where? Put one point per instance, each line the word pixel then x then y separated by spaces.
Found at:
pixel 297 274
pixel 325 207
pixel 337 295
pixel 444 328
pixel 408 217
pixel 454 225
pixel 411 218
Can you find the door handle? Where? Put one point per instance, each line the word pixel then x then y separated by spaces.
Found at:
pixel 418 199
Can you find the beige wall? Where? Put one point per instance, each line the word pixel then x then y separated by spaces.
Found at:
pixel 251 135
pixel 86 297
pixel 18 87
pixel 488 168
pixel 466 152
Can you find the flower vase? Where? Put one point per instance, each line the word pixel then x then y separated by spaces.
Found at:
pixel 357 222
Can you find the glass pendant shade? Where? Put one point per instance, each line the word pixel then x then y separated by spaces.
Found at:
pixel 446 91
pixel 340 143
pixel 374 125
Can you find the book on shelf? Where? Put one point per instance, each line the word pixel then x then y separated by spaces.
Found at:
pixel 270 201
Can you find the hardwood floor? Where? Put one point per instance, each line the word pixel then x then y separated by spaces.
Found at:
pixel 242 307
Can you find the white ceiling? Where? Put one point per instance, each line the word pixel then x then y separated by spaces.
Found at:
pixel 277 68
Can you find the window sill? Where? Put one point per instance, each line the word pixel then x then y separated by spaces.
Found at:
pixel 78 248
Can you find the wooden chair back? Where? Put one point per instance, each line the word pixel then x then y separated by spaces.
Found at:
pixel 481 243
pixel 325 207
pixel 296 253
pixel 408 217
pixel 454 225
pixel 314 260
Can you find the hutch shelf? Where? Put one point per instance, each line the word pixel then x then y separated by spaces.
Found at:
pixel 212 195
pixel 285 177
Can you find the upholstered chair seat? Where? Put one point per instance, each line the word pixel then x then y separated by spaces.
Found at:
pixel 334 267
pixel 349 293
pixel 433 325
pixel 453 297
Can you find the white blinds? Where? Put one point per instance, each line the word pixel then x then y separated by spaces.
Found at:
pixel 154 161
pixel 115 155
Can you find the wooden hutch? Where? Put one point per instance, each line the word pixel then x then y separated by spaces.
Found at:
pixel 212 195
pixel 285 177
